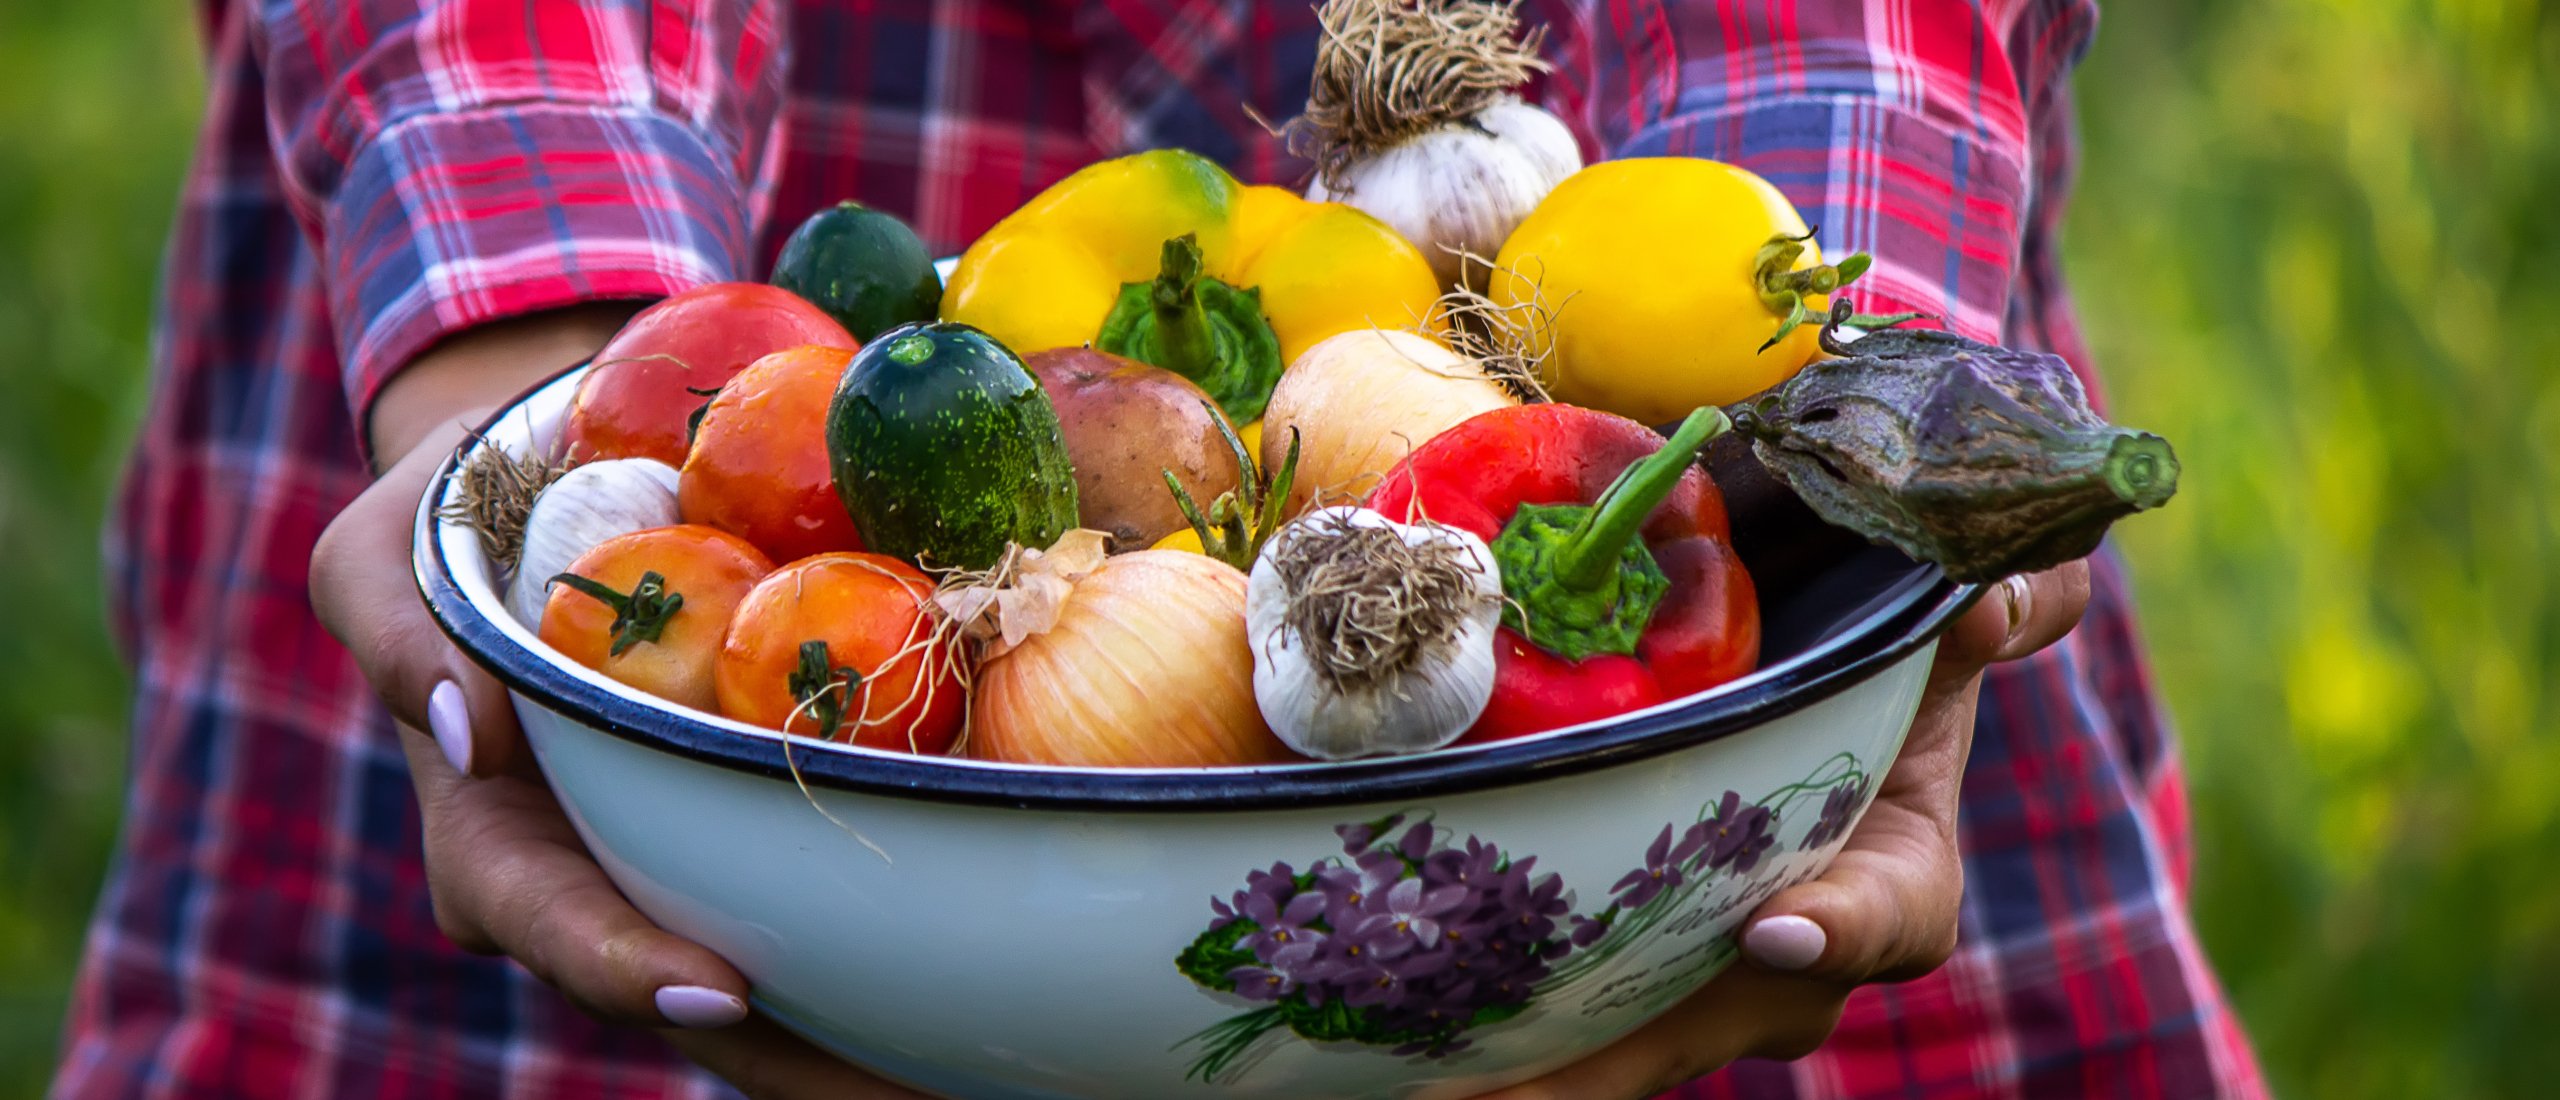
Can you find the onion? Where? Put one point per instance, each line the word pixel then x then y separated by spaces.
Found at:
pixel 1145 666
pixel 1361 401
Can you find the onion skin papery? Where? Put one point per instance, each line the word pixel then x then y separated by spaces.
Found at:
pixel 1145 667
pixel 1363 400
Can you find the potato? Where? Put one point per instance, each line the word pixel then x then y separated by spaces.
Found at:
pixel 1126 423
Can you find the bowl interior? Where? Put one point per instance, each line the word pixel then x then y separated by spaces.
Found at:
pixel 1831 622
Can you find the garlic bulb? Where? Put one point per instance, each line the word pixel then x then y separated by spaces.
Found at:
pixel 1371 636
pixel 1460 189
pixel 1411 117
pixel 589 504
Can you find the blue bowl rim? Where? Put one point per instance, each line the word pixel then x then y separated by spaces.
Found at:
pixel 1917 616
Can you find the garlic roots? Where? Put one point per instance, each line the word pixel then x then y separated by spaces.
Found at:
pixel 1413 117
pixel 589 504
pixel 1371 636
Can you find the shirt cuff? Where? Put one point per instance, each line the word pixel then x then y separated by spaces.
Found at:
pixel 447 221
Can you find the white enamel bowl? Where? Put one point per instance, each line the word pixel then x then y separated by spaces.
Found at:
pixel 976 930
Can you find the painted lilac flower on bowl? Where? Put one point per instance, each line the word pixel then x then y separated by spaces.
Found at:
pixel 1412 938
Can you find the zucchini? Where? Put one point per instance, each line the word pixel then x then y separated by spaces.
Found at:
pixel 946 449
pixel 863 266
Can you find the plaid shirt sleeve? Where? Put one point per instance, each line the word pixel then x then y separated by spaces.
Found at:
pixel 460 162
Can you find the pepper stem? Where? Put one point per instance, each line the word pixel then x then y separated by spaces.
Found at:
pixel 1588 556
pixel 1580 582
pixel 639 616
pixel 1190 323
pixel 1185 342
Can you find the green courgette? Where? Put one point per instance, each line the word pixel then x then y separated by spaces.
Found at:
pixel 946 449
pixel 863 266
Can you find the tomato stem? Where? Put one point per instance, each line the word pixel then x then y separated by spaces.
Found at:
pixel 638 616
pixel 1784 290
pixel 823 687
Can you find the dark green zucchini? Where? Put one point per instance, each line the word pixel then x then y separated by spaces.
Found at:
pixel 945 449
pixel 863 266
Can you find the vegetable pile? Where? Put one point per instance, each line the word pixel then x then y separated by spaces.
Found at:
pixel 1177 472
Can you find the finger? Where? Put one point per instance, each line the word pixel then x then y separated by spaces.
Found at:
pixel 365 593
pixel 1884 911
pixel 765 1062
pixel 510 876
pixel 2019 616
pixel 1886 908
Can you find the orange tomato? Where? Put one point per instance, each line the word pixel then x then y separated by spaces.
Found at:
pixel 840 646
pixel 649 607
pixel 759 467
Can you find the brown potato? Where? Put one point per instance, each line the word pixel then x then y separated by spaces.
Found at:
pixel 1126 423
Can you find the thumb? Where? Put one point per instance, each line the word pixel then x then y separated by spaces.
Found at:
pixel 364 590
pixel 2017 617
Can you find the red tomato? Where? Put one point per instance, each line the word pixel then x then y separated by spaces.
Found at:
pixel 631 405
pixel 661 601
pixel 759 466
pixel 820 626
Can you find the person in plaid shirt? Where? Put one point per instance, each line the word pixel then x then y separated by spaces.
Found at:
pixel 402 213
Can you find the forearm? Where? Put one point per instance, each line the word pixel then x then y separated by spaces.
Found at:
pixel 473 372
pixel 457 164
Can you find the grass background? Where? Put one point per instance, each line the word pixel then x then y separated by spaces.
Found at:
pixel 2314 242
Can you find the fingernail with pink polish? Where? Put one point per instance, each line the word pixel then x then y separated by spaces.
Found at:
pixel 1784 943
pixel 696 1006
pixel 449 718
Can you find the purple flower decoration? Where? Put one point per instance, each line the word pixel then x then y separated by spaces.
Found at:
pixel 1256 983
pixel 1416 845
pixel 1476 866
pixel 1406 916
pixel 1357 838
pixel 1661 870
pixel 1837 808
pixel 1347 890
pixel 1737 834
pixel 1284 942
pixel 1587 931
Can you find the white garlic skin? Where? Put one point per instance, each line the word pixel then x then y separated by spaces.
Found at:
pixel 1422 708
pixel 589 504
pixel 1465 185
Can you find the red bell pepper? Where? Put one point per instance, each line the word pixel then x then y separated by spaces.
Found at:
pixel 1613 548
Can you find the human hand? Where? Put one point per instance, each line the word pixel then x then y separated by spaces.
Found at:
pixel 1884 911
pixel 507 873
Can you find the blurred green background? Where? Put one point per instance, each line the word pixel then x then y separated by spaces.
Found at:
pixel 2314 242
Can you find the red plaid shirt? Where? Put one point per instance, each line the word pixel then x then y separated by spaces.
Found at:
pixel 373 175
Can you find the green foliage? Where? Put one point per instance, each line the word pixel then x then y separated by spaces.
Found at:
pixel 98 104
pixel 2313 243
pixel 1213 956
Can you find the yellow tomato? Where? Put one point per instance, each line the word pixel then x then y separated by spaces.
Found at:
pixel 1649 264
pixel 1184 539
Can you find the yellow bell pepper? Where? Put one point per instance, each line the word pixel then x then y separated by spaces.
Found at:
pixel 1675 282
pixel 1164 258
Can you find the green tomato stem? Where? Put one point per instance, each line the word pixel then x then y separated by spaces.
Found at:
pixel 639 616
